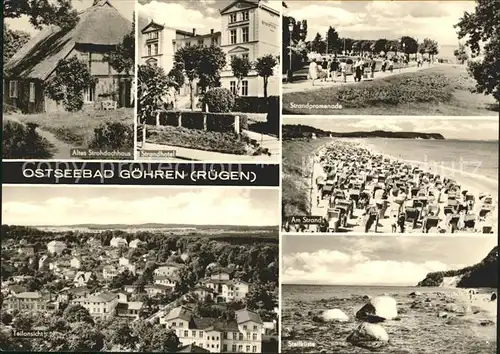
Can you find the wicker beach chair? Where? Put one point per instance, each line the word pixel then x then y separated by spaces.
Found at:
pixel 412 216
pixel 470 222
pixel 429 223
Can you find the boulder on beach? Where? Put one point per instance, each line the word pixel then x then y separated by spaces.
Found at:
pixel 415 293
pixel 369 336
pixel 458 308
pixel 288 332
pixel 366 297
pixel 442 314
pixel 335 315
pixel 379 309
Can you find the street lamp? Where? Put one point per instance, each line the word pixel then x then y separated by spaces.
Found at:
pixel 290 30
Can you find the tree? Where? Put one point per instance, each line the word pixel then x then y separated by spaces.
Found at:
pixel 12 41
pixel 124 278
pixel 212 61
pixel 85 338
pixel 123 58
pixel 240 67
pixel 265 67
pixel 23 322
pixel 430 47
pixel 297 39
pixel 380 45
pixel 332 40
pixel 77 313
pixel 461 54
pixel 72 77
pixel 42 12
pixel 409 45
pixel 318 45
pixel 176 75
pixel 190 58
pixel 154 338
pixel 122 335
pixel 483 28
pixel 152 85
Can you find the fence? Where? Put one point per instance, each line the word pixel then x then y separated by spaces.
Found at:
pixel 217 122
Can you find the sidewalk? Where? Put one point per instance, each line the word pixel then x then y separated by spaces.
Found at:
pixel 202 155
pixel 303 86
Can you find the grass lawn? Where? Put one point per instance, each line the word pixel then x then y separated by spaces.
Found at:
pixel 77 129
pixel 441 90
pixel 296 181
pixel 228 143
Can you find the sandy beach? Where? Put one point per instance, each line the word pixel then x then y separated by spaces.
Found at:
pixel 429 321
pixel 433 198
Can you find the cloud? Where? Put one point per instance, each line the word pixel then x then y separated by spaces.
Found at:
pixel 379 19
pixel 208 206
pixel 332 267
pixel 178 15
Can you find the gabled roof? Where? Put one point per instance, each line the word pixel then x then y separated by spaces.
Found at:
pixel 251 5
pixel 245 315
pixel 191 348
pixel 180 312
pixel 100 24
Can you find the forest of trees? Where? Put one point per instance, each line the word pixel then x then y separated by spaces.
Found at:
pixel 254 260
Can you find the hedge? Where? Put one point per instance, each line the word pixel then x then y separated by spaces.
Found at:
pixel 254 104
pixel 217 122
pixel 192 120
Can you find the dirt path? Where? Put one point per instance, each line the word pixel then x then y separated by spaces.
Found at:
pixel 318 85
pixel 61 150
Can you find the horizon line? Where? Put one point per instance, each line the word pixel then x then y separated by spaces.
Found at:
pixel 136 224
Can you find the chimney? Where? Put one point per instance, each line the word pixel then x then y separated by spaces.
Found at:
pixel 212 31
pixel 194 32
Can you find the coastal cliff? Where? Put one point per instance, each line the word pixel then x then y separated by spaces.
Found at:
pixel 294 131
pixel 481 275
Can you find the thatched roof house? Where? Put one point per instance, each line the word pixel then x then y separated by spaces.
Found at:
pixel 99 30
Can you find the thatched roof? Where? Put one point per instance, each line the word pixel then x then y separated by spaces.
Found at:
pixel 100 24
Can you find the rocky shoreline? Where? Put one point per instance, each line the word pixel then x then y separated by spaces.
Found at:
pixel 426 322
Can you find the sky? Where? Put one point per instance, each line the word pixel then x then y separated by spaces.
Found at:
pixel 463 129
pixel 382 19
pixel 377 260
pixel 125 7
pixel 188 14
pixel 62 205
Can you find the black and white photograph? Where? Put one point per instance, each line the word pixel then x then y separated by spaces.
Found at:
pixel 390 175
pixel 139 269
pixel 394 295
pixel 68 79
pixel 208 80
pixel 390 57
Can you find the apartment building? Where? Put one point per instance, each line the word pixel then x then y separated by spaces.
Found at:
pixel 29 301
pixel 249 29
pixel 100 306
pixel 218 336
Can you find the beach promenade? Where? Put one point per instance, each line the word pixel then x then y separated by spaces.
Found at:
pixel 306 85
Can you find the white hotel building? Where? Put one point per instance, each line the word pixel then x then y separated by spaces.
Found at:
pixel 249 28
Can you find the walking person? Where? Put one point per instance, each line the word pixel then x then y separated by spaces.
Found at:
pixel 391 65
pixel 343 70
pixel 334 68
pixel 373 64
pixel 313 71
pixel 358 70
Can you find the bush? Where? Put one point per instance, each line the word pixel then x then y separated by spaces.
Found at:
pixel 23 142
pixel 219 100
pixel 113 135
